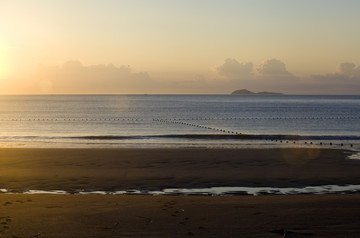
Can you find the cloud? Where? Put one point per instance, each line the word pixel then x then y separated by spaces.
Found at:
pixel 349 69
pixel 345 80
pixel 271 75
pixel 345 73
pixel 72 65
pixel 331 78
pixel 74 77
pixel 273 67
pixel 232 69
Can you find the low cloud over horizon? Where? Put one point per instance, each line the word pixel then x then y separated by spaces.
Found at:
pixel 344 72
pixel 232 69
pixel 73 77
pixel 271 75
pixel 345 80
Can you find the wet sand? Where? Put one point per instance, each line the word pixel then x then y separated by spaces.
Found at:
pixel 24 215
pixel 155 169
pixel 179 216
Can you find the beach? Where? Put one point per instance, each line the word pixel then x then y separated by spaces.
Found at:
pixel 72 170
pixel 79 215
pixel 179 216
pixel 167 119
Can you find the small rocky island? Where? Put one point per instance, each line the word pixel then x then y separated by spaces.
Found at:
pixel 247 92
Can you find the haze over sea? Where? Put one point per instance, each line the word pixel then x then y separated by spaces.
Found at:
pixel 179 121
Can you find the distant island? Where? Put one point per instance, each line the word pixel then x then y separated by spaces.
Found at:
pixel 247 92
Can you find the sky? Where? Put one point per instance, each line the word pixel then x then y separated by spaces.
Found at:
pixel 181 47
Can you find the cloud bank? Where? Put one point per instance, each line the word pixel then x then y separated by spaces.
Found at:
pixel 272 68
pixel 345 80
pixel 350 70
pixel 271 75
pixel 346 72
pixel 73 77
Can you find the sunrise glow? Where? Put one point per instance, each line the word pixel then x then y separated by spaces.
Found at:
pixel 160 46
pixel 4 61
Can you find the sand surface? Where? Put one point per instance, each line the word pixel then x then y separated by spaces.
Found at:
pixel 179 216
pixel 154 169
pixel 24 215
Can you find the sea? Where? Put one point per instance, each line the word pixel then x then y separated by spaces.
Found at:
pixel 184 121
pixel 167 121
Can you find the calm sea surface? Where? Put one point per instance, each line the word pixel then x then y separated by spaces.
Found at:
pixel 178 120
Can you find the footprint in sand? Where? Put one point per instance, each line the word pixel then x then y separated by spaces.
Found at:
pixel 291 233
pixel 7 203
pixel 168 206
pixel 179 213
pixel 4 223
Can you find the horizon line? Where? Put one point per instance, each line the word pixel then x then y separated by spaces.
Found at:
pixel 159 94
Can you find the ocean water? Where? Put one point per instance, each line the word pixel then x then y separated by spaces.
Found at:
pixel 179 121
pixel 173 121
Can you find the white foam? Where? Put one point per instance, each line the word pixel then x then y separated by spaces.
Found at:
pixel 45 192
pixel 215 191
pixel 354 156
pixel 267 190
pixel 94 192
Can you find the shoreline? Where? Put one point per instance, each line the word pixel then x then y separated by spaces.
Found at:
pixel 212 191
pixel 73 170
pixel 226 140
